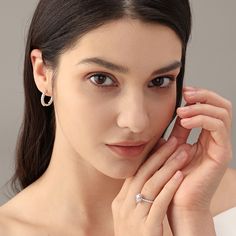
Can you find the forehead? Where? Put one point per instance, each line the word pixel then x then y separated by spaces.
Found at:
pixel 132 43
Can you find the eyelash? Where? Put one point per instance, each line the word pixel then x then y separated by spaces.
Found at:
pixel 171 79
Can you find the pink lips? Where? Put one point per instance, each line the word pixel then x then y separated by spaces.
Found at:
pixel 129 151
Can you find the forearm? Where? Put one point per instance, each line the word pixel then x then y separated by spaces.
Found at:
pixel 192 224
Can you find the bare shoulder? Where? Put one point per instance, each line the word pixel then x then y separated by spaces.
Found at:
pixel 225 195
pixel 4 226
pixel 8 226
pixel 12 226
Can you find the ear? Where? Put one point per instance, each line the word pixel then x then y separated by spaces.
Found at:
pixel 42 74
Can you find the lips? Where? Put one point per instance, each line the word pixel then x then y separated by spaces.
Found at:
pixel 127 151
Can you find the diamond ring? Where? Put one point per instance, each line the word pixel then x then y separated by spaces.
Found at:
pixel 139 198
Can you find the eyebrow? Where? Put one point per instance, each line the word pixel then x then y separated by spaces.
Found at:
pixel 122 69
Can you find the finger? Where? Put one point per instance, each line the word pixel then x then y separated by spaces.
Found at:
pixel 160 142
pixel 207 110
pixel 155 161
pixel 124 190
pixel 215 126
pixel 162 201
pixel 208 97
pixel 183 147
pixel 147 169
pixel 154 185
pixel 180 132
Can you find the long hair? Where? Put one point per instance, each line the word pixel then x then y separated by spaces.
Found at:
pixel 55 27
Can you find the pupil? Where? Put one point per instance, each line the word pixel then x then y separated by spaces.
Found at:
pixel 100 79
pixel 158 81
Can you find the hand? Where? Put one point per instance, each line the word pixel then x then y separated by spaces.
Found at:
pixel 211 153
pixel 155 181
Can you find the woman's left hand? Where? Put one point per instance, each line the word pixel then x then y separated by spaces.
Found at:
pixel 210 155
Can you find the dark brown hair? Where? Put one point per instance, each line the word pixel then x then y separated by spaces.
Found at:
pixel 56 26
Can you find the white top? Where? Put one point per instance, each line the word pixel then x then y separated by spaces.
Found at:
pixel 225 223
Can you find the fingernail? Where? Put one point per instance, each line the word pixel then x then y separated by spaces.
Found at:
pixel 178 175
pixel 172 140
pixel 190 88
pixel 185 121
pixel 181 156
pixel 190 93
pixel 183 109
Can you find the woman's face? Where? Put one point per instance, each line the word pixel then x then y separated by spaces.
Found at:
pixel 130 103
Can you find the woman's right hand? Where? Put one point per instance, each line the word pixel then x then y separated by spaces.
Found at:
pixel 157 179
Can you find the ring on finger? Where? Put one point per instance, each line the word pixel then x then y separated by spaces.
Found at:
pixel 140 198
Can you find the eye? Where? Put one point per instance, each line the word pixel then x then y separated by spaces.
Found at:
pixel 162 82
pixel 103 80
pixel 100 79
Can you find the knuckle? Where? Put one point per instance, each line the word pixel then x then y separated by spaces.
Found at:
pixel 220 124
pixel 115 204
pixel 225 113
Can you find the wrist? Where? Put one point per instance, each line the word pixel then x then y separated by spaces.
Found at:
pixel 192 223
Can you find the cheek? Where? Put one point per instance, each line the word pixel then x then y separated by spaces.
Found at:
pixel 82 119
pixel 162 113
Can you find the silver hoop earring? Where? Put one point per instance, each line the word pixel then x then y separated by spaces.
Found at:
pixel 43 102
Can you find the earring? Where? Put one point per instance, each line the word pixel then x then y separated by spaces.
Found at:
pixel 43 102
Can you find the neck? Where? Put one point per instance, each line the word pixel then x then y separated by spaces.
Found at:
pixel 76 189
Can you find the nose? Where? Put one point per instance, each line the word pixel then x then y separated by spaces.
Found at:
pixel 133 113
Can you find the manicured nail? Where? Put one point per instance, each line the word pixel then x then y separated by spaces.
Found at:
pixel 178 175
pixel 172 140
pixel 183 109
pixel 190 93
pixel 185 121
pixel 190 88
pixel 181 156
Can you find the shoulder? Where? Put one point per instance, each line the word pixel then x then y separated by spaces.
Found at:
pixel 22 215
pixel 7 224
pixel 12 226
pixel 4 229
pixel 225 195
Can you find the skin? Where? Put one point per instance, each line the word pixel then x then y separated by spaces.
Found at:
pixel 84 178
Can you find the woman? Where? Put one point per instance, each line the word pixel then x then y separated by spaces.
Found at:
pixel 91 160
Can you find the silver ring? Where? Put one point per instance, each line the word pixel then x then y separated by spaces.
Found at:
pixel 139 198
